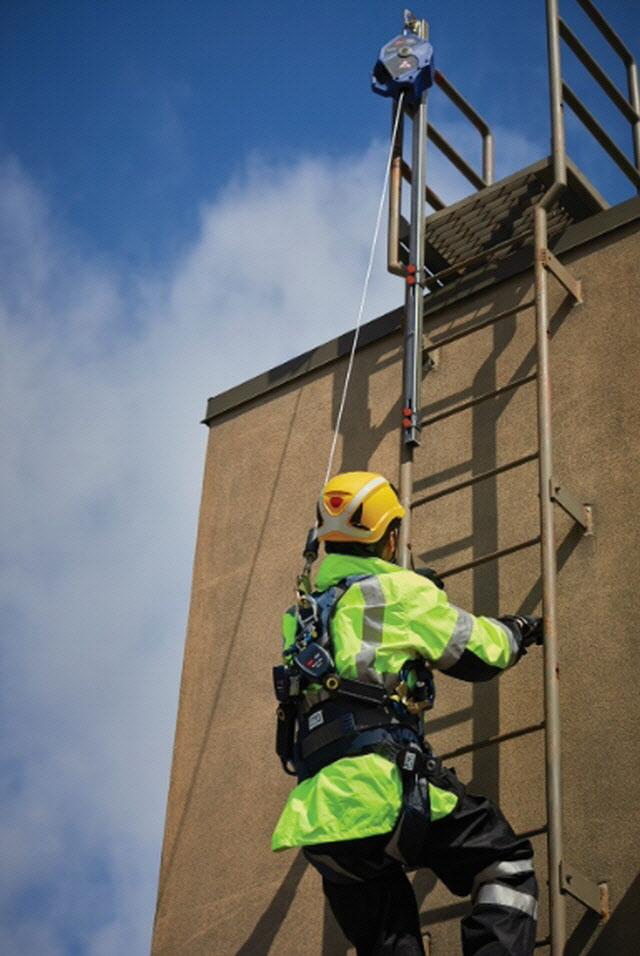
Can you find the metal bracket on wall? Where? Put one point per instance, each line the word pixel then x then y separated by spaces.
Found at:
pixel 593 895
pixel 562 274
pixel 581 513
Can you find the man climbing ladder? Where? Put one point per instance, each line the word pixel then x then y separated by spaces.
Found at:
pixel 372 798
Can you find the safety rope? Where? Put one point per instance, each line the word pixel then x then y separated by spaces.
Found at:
pixel 364 290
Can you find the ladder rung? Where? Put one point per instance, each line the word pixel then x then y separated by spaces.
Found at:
pixel 492 556
pixel 450 489
pixel 480 398
pixel 446 339
pixel 490 741
pixel 536 831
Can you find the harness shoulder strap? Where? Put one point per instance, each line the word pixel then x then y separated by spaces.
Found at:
pixel 339 590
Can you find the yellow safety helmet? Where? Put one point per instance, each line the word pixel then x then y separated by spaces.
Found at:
pixel 357 506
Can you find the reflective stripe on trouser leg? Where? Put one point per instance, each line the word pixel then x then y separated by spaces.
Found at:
pixel 508 883
pixel 499 895
pixel 505 909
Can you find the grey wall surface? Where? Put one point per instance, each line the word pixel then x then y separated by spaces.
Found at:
pixel 221 889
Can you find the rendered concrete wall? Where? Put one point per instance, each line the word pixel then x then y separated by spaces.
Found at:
pixel 221 889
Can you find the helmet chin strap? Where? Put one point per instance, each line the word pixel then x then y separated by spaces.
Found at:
pixel 393 541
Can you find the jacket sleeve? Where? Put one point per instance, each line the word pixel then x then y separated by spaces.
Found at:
pixel 459 643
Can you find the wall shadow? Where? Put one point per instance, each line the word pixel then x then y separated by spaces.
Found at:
pixel 485 776
pixel 267 927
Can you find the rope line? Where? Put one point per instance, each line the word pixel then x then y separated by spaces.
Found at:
pixel 364 292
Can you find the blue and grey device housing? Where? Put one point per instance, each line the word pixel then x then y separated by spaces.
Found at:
pixel 405 64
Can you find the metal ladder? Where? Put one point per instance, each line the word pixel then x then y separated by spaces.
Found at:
pixel 406 257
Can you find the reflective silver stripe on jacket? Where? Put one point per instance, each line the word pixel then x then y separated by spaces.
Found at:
pixel 497 894
pixel 514 646
pixel 458 640
pixel 372 623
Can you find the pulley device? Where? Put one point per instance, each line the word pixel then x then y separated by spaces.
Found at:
pixel 405 65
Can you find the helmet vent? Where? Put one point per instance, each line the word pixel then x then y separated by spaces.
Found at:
pixel 356 519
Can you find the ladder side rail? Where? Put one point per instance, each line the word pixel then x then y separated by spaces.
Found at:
pixel 558 146
pixel 398 227
pixel 634 97
pixel 553 775
pixel 557 902
pixel 395 265
pixel 414 305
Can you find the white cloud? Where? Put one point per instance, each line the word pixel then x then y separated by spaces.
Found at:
pixel 104 380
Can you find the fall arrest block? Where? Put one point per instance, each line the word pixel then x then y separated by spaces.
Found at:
pixel 405 65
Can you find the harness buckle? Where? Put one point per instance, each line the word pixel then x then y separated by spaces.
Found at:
pixel 413 760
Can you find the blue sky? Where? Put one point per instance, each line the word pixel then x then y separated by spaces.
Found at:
pixel 176 181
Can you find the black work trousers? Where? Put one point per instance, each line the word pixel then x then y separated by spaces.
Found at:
pixel 473 850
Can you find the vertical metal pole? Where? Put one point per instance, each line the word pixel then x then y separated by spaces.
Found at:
pixel 487 158
pixel 412 371
pixel 405 493
pixel 634 96
pixel 394 263
pixel 557 902
pixel 555 91
pixel 557 908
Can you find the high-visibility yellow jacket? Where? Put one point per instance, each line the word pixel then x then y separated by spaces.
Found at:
pixel 379 622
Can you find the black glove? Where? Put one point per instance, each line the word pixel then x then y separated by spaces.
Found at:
pixel 531 629
pixel 431 575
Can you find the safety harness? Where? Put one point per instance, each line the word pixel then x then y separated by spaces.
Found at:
pixel 351 716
